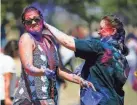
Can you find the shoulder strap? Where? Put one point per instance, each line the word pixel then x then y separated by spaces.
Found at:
pixel 27 86
pixel 28 90
pixel 60 61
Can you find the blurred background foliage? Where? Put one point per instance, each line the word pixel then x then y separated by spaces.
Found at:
pixel 87 10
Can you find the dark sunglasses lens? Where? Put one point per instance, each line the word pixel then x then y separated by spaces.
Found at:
pixel 37 20
pixel 28 22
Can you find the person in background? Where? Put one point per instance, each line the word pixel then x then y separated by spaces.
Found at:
pixel 131 42
pixel 8 72
pixel 82 31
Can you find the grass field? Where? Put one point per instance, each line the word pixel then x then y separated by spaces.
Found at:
pixel 130 95
pixel 70 95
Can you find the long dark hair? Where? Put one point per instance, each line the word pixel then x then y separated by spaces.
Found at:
pixel 11 48
pixel 120 34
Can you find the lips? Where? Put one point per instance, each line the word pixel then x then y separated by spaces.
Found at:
pixel 35 28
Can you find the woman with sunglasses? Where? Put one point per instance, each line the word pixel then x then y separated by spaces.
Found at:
pixel 40 63
pixel 105 63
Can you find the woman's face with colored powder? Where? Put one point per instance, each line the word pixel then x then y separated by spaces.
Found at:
pixel 106 29
pixel 33 22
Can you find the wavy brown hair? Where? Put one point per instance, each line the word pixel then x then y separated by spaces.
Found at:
pixel 115 22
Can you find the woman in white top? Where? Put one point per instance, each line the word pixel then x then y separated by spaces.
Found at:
pixel 8 72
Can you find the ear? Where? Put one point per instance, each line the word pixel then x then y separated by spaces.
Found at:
pixel 114 31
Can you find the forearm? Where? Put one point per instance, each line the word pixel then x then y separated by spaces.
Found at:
pixel 70 77
pixel 62 38
pixel 7 80
pixel 32 70
pixel 75 79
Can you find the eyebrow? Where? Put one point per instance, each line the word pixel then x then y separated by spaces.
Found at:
pixel 32 18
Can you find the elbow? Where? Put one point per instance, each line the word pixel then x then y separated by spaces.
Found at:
pixel 28 69
pixel 29 72
pixel 69 45
pixel 67 41
pixel 32 72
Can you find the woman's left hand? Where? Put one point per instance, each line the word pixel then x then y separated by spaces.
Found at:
pixel 85 83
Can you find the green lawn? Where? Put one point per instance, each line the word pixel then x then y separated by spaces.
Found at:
pixel 130 95
pixel 70 95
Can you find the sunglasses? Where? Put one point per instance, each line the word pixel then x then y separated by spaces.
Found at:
pixel 30 21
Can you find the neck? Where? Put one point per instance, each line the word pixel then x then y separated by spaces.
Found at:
pixel 105 37
pixel 37 35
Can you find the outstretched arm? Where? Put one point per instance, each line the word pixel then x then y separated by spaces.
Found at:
pixel 62 38
pixel 75 79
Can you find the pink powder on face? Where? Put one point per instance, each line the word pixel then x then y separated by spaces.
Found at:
pixel 105 28
pixel 36 27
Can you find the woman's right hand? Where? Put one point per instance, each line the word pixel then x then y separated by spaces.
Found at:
pixel 49 73
pixel 8 101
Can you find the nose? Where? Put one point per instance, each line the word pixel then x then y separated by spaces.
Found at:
pixel 33 22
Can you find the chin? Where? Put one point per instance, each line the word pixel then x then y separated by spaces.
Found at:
pixel 105 35
pixel 36 30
